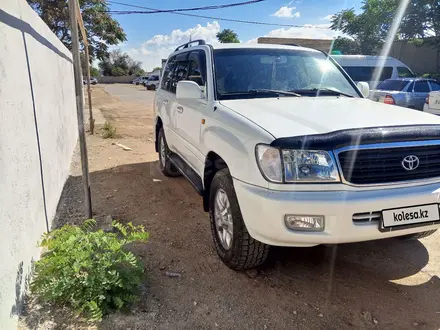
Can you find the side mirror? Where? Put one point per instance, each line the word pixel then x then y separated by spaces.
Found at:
pixel 188 90
pixel 364 88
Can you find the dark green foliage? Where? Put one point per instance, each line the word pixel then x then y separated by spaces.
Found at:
pixel 118 63
pixel 90 270
pixel 370 27
pixel 227 36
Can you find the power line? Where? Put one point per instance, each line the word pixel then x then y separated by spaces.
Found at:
pixel 154 11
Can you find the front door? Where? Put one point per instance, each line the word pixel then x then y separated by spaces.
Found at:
pixel 189 113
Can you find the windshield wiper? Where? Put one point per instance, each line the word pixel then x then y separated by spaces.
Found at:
pixel 325 90
pixel 264 91
pixel 275 91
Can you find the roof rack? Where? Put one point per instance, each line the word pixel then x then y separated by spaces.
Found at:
pixel 199 42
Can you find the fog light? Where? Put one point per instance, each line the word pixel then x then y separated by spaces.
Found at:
pixel 304 222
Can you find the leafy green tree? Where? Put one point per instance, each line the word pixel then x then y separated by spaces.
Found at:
pixel 227 36
pixel 94 72
pixel 157 68
pixel 370 28
pixel 346 46
pixel 102 29
pixel 119 63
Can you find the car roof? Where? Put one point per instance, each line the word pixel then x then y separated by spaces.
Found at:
pixel 242 46
pixel 259 46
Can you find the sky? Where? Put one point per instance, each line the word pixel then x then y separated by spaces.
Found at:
pixel 151 37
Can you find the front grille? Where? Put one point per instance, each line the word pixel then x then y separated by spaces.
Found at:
pixel 376 166
pixel 366 217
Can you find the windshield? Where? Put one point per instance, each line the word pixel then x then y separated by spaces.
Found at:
pixel 393 85
pixel 238 71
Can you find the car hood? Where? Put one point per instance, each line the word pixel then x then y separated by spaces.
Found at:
pixel 291 116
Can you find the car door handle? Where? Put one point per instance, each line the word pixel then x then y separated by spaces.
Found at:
pixel 179 109
pixel 165 101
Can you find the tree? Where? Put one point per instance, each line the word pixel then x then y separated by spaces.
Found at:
pixel 118 63
pixel 157 68
pixel 370 28
pixel 94 72
pixel 227 36
pixel 102 29
pixel 346 46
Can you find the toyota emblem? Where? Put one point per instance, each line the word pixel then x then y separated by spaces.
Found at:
pixel 410 163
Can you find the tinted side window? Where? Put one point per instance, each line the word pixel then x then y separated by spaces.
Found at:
pixel 180 73
pixel 421 87
pixel 197 67
pixel 168 74
pixel 366 73
pixel 404 72
pixel 435 86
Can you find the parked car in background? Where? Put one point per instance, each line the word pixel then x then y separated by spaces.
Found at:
pixel 140 80
pixel 364 67
pixel 152 83
pixel 432 103
pixel 406 92
pixel 93 81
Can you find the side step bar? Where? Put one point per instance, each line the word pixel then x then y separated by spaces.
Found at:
pixel 187 172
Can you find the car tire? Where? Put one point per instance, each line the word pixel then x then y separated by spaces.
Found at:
pixel 243 251
pixel 153 87
pixel 137 84
pixel 417 236
pixel 166 167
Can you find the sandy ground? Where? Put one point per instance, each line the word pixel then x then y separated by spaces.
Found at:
pixel 387 284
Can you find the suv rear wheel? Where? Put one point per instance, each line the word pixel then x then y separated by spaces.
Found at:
pixel 166 167
pixel 236 248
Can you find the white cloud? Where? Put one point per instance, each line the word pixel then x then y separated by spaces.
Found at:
pixel 160 46
pixel 327 18
pixel 286 11
pixel 307 31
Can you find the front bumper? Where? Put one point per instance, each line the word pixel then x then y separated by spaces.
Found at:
pixel 263 212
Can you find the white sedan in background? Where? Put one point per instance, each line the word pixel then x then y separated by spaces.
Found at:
pixel 432 103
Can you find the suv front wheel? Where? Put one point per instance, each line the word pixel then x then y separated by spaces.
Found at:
pixel 236 248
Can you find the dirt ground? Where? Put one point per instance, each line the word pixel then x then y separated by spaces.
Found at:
pixel 387 284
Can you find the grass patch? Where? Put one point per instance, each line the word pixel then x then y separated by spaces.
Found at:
pixel 90 270
pixel 109 131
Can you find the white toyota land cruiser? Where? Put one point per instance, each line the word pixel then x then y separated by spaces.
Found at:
pixel 285 150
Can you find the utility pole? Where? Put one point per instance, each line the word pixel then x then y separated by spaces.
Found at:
pixel 80 106
pixel 86 53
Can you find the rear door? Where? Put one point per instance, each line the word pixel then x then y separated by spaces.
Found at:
pixel 421 91
pixel 164 100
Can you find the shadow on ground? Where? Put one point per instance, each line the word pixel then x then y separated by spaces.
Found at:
pixel 352 285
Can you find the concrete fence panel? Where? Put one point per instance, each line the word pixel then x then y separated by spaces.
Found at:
pixel 38 133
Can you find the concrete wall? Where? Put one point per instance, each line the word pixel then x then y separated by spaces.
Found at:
pixel 38 132
pixel 420 59
pixel 116 80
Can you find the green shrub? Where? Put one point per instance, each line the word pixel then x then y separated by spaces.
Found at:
pixel 89 270
pixel 433 75
pixel 108 131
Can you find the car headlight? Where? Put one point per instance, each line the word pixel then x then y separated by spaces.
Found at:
pixel 290 166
